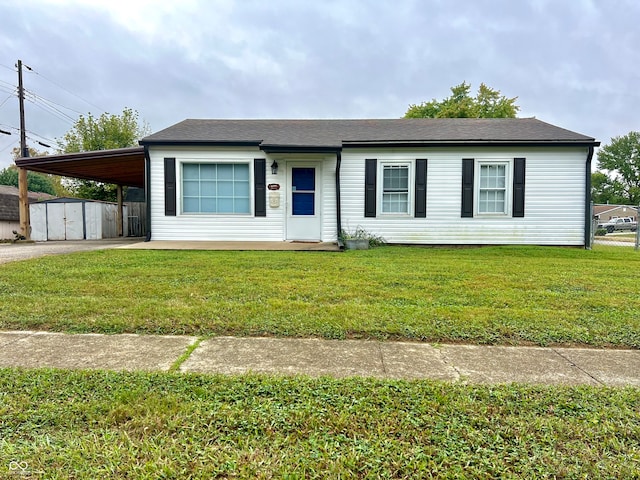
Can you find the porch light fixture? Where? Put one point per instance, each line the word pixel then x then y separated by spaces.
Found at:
pixel 274 167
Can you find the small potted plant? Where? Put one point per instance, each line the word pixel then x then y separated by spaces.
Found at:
pixel 359 239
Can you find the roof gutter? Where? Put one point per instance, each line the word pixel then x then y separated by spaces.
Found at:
pixel 338 215
pixel 469 143
pixel 587 201
pixel 147 190
pixel 299 149
pixel 201 143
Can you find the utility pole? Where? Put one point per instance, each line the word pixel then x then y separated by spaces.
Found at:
pixel 24 151
pixel 23 191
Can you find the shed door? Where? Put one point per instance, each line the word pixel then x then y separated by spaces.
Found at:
pixel 74 222
pixel 65 221
pixel 303 212
pixel 55 222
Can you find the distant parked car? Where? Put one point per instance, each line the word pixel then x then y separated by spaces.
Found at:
pixel 619 224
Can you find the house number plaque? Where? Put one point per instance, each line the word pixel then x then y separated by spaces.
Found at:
pixel 273 186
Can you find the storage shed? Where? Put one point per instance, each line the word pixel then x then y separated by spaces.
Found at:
pixel 9 209
pixel 74 219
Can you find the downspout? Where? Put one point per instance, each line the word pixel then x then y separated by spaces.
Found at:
pixel 587 201
pixel 338 215
pixel 147 190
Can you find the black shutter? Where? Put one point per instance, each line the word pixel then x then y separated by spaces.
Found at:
pixel 421 188
pixel 518 186
pixel 170 187
pixel 260 187
pixel 370 170
pixel 467 187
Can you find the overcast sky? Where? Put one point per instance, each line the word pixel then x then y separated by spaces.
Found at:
pixel 573 63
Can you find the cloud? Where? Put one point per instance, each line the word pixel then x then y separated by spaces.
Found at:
pixel 569 62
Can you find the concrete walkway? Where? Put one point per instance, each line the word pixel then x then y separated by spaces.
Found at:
pixel 314 357
pixel 239 246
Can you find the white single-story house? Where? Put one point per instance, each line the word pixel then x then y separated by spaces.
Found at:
pixel 456 181
pixel 411 181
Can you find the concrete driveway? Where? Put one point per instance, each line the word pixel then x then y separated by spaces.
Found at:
pixel 11 252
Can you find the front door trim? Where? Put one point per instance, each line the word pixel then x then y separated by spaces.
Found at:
pixel 304 226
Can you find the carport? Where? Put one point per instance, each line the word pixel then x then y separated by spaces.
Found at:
pixel 121 166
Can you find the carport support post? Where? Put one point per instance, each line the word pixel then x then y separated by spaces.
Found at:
pixel 23 201
pixel 120 216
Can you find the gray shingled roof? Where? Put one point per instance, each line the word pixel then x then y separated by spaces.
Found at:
pixel 339 133
pixel 9 204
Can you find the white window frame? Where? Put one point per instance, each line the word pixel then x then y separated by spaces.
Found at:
pixel 508 180
pixel 180 185
pixel 410 187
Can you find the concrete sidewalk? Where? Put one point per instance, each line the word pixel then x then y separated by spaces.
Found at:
pixel 315 357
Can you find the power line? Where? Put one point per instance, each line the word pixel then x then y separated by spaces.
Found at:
pixel 30 133
pixel 51 101
pixel 8 68
pixel 7 83
pixel 9 145
pixel 39 142
pixel 41 136
pixel 6 100
pixel 66 90
pixel 50 109
pixel 9 126
pixel 7 90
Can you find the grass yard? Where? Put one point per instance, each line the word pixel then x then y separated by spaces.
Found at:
pixel 86 425
pixel 494 295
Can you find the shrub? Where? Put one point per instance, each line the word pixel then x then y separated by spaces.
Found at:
pixel 361 234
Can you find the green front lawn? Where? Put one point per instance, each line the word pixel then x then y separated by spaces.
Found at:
pixel 87 425
pixel 512 295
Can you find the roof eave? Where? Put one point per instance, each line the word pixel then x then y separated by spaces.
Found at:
pixel 201 143
pixel 63 157
pixel 300 148
pixel 472 143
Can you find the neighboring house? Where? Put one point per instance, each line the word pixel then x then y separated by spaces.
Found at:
pixel 412 181
pixel 604 213
pixel 10 212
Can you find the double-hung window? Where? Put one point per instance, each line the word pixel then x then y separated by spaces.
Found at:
pixel 492 188
pixel 395 188
pixel 222 188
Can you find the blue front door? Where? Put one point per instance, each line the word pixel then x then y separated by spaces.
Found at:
pixel 303 191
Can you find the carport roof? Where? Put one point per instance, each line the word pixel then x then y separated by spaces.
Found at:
pixel 122 166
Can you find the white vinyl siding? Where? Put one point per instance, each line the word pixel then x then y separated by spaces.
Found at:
pixel 216 188
pixel 395 189
pixel 492 188
pixel 554 197
pixel 230 226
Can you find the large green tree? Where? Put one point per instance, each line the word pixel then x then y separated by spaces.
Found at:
pixel 36 182
pixel 620 160
pixel 108 131
pixel 41 181
pixel 606 190
pixel 488 103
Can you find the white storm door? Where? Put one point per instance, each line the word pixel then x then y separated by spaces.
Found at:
pixel 303 205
